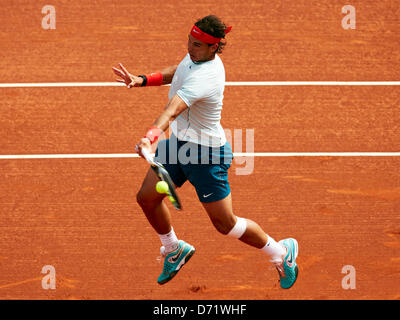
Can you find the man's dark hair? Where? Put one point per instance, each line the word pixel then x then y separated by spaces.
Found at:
pixel 214 27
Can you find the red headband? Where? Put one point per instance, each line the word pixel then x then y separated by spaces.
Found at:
pixel 205 37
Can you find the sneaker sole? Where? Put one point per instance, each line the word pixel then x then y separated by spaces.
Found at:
pixel 173 273
pixel 296 270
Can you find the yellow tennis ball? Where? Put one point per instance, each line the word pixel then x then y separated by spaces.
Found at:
pixel 162 187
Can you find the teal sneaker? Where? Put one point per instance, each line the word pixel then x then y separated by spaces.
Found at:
pixel 288 269
pixel 174 261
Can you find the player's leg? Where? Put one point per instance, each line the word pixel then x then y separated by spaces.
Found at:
pixel 151 202
pixel 222 216
pixel 246 230
pixel 176 252
pixel 282 254
pixel 212 187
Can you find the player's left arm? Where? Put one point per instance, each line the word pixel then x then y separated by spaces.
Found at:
pixel 168 74
pixel 173 109
pixel 158 78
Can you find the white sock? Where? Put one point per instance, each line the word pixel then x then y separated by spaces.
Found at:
pixel 169 241
pixel 274 249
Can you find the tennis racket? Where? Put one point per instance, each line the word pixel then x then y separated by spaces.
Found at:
pixel 163 175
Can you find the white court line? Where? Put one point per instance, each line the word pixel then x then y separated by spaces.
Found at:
pixel 237 154
pixel 236 83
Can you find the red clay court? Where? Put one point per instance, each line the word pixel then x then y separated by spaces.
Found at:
pixel 80 215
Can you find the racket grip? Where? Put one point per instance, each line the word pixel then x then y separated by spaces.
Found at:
pixel 146 154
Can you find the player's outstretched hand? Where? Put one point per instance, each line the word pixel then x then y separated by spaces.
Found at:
pixel 129 79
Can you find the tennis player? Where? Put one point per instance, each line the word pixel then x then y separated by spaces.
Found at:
pixel 194 107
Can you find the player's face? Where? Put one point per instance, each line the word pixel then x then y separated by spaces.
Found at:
pixel 200 51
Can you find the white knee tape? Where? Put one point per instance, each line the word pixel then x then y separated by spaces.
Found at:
pixel 239 229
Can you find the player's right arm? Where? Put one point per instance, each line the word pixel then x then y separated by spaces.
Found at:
pixel 131 80
pixel 173 109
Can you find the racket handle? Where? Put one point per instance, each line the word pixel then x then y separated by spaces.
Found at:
pixel 146 154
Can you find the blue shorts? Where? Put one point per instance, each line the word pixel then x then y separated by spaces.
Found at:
pixel 206 168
